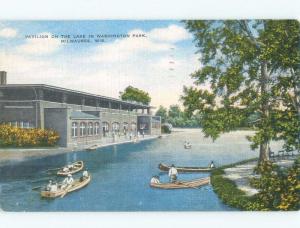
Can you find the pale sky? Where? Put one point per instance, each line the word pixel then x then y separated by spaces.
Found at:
pixel 103 68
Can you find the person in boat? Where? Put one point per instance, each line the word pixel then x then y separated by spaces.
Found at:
pixel 66 169
pixel 54 187
pixel 155 180
pixel 212 165
pixel 173 173
pixel 48 187
pixel 68 181
pixel 85 175
pixel 187 144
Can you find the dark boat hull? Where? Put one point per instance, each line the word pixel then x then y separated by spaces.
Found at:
pixel 164 167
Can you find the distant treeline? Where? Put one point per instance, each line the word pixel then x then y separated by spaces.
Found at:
pixel 178 118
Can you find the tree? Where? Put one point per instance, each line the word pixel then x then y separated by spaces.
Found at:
pixel 134 94
pixel 252 66
pixel 174 111
pixel 163 113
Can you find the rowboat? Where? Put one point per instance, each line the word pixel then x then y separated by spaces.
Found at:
pixel 76 185
pixel 187 146
pixel 78 166
pixel 93 147
pixel 182 184
pixel 164 167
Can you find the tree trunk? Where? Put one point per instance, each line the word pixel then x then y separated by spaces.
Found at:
pixel 297 98
pixel 264 87
pixel 264 152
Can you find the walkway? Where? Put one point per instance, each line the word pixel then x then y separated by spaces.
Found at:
pixel 241 174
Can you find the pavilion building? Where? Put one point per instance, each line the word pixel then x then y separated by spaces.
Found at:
pixel 78 117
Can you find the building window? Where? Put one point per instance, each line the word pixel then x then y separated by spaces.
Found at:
pixel 90 129
pixel 105 127
pixel 97 128
pixel 82 129
pixel 26 124
pixel 74 129
pixel 125 127
pixel 133 126
pixel 116 127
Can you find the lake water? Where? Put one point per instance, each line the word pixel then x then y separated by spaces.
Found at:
pixel 121 175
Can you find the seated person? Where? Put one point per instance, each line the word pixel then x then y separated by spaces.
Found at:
pixel 67 182
pixel 85 175
pixel 155 180
pixel 53 187
pixel 48 187
pixel 65 169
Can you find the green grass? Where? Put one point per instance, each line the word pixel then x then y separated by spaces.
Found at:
pixel 227 190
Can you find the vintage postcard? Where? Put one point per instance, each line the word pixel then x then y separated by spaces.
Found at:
pixel 149 115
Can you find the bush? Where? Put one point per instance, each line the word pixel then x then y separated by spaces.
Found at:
pixel 279 188
pixel 20 137
pixel 165 129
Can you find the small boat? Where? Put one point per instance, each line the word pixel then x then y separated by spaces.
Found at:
pixel 78 166
pixel 187 146
pixel 77 184
pixel 183 184
pixel 164 167
pixel 93 147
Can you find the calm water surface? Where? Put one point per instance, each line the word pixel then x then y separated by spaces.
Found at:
pixel 121 174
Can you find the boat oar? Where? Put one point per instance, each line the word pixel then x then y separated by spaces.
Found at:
pixel 40 180
pixel 51 170
pixel 36 188
pixel 66 191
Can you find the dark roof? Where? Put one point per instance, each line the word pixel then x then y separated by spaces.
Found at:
pixel 82 115
pixel 60 89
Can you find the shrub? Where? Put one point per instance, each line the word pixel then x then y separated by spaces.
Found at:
pixel 165 129
pixel 20 137
pixel 279 188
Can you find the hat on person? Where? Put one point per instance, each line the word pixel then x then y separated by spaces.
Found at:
pixel 69 175
pixel 172 165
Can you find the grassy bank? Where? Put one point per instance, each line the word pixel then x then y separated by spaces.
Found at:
pixel 227 190
pixel 278 188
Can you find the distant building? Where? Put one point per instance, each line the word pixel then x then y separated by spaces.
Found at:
pixel 78 117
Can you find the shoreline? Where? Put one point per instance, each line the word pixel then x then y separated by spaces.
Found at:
pixel 20 154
